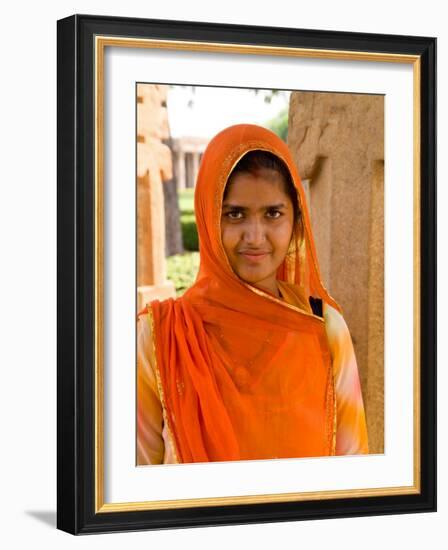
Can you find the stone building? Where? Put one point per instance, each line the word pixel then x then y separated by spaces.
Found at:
pixel 337 141
pixel 187 154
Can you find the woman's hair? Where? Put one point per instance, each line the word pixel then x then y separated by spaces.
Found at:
pixel 255 161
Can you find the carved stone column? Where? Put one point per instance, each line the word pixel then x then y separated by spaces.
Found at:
pixel 154 165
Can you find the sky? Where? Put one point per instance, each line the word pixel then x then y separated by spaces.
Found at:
pixel 213 109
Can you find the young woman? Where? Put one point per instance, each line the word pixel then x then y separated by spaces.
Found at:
pixel 255 360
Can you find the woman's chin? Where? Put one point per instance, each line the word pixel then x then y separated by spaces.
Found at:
pixel 252 276
pixel 259 279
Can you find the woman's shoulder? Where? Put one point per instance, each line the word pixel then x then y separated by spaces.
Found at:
pixel 335 325
pixel 332 316
pixel 161 306
pixel 145 345
pixel 156 309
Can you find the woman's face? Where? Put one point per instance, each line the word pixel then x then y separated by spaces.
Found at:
pixel 256 226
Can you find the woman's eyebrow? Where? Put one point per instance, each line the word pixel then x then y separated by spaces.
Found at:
pixel 267 206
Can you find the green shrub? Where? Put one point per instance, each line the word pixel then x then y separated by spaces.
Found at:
pixel 182 270
pixel 186 201
pixel 190 235
pixel 188 220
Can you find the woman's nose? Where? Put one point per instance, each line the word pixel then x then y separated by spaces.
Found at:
pixel 254 233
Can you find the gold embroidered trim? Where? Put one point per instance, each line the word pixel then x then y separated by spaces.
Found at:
pixel 331 423
pixel 331 381
pixel 281 302
pixel 330 406
pixel 335 420
pixel 159 384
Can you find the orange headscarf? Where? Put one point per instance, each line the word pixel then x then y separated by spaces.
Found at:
pixel 243 374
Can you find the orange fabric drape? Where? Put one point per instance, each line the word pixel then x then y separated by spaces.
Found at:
pixel 243 374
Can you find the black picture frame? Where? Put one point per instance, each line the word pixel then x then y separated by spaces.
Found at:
pixel 77 494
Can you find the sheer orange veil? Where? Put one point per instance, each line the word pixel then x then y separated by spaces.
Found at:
pixel 243 374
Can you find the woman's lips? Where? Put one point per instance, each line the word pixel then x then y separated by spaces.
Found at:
pixel 254 257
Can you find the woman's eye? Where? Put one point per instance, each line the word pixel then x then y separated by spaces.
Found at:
pixel 234 215
pixel 274 214
pixel 238 215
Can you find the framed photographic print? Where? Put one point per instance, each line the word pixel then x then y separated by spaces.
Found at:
pixel 246 274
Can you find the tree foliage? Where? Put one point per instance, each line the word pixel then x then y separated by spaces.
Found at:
pixel 279 124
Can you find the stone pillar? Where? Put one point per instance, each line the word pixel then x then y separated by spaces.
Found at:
pixel 337 141
pixel 180 169
pixel 154 165
pixel 195 155
pixel 375 348
pixel 188 171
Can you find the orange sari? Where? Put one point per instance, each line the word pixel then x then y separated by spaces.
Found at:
pixel 243 374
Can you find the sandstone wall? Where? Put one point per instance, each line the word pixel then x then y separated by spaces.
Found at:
pixel 337 141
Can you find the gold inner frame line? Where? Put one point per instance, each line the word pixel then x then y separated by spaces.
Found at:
pixel 100 43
